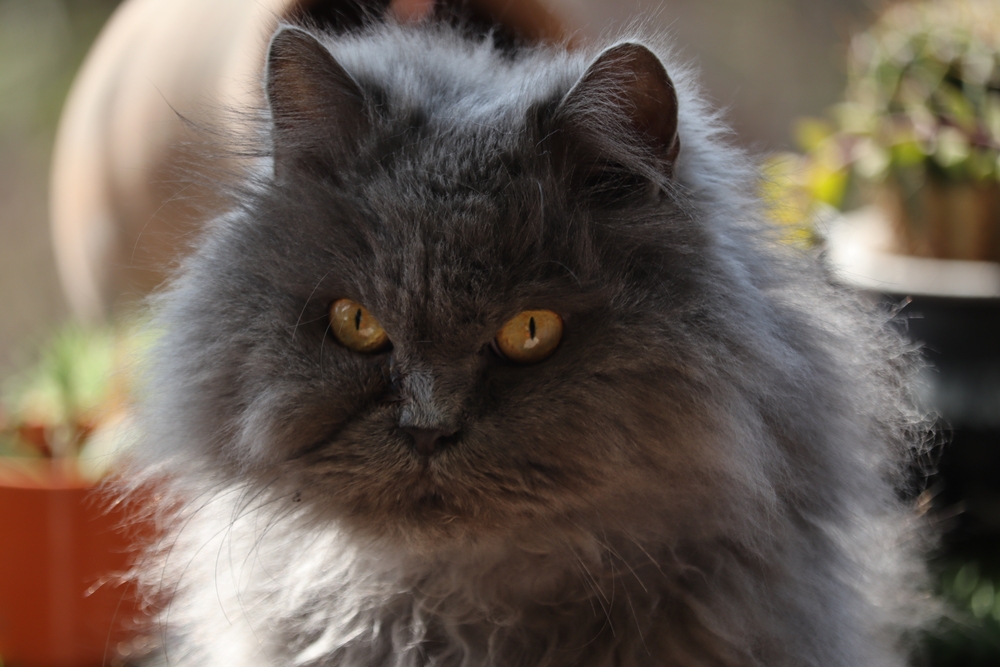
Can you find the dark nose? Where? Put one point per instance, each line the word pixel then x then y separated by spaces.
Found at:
pixel 427 440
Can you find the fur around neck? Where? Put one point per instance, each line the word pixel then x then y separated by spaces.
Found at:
pixel 573 599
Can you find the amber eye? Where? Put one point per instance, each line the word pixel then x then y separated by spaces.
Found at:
pixel 530 336
pixel 355 327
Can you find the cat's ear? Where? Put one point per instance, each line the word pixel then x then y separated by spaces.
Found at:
pixel 317 108
pixel 625 107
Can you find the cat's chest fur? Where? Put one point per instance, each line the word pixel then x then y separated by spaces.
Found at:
pixel 558 601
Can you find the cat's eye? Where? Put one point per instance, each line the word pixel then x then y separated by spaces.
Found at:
pixel 530 336
pixel 355 328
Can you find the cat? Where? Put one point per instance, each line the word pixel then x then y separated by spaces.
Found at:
pixel 495 362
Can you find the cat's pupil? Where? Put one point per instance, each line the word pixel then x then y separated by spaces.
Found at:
pixel 357 320
pixel 531 327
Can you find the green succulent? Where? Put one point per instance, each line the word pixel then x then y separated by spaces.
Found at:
pixel 73 401
pixel 52 403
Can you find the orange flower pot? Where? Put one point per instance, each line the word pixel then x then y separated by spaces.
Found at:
pixel 62 600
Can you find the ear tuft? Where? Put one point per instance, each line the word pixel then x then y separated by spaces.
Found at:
pixel 316 106
pixel 627 95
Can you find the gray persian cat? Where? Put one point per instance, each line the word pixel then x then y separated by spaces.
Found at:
pixel 495 363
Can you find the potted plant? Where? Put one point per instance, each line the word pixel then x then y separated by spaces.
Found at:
pixel 919 130
pixel 62 597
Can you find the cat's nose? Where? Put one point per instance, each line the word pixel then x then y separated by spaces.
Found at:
pixel 427 440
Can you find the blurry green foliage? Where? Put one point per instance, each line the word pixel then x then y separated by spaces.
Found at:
pixel 924 87
pixel 50 407
pixel 922 101
pixel 970 635
pixel 70 378
pixel 74 399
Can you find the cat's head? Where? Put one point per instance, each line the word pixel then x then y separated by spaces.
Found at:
pixel 470 299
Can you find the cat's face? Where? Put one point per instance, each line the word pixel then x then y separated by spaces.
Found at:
pixel 444 228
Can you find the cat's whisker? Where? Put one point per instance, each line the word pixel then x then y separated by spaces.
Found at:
pixel 628 599
pixel 243 502
pixel 568 270
pixel 596 594
pixel 649 557
pixel 308 299
pixel 322 345
pixel 257 510
pixel 169 200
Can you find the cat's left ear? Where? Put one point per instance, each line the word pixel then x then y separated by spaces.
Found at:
pixel 625 96
pixel 317 108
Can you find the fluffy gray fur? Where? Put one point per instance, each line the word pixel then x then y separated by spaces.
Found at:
pixel 703 473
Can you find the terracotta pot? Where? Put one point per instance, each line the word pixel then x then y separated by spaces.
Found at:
pixel 62 600
pixel 945 220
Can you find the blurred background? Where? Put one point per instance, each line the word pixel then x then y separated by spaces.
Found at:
pixel 878 125
pixel 42 43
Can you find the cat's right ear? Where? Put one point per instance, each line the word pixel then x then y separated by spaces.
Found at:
pixel 317 108
pixel 616 129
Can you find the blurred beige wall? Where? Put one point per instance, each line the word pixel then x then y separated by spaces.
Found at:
pixel 767 61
